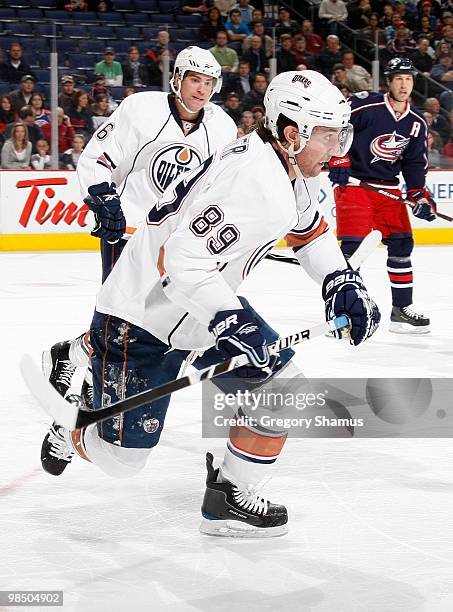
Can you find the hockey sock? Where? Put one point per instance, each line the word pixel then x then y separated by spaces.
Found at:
pixel 80 350
pixel 401 280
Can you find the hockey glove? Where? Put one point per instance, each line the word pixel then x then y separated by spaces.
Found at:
pixel 236 332
pixel 424 206
pixel 339 170
pixel 345 294
pixel 106 206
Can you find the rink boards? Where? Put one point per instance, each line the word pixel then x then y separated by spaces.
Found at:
pixel 44 210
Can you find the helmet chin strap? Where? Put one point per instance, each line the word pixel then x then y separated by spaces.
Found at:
pixel 292 157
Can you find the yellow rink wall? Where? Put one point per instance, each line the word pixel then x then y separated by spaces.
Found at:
pixel 44 211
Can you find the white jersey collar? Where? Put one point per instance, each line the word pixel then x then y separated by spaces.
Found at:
pixel 391 110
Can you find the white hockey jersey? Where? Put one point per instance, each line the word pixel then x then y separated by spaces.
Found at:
pixel 142 148
pixel 204 236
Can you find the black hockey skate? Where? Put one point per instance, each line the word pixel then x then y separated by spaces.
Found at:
pixel 233 512
pixel 87 395
pixel 404 320
pixel 57 450
pixel 57 367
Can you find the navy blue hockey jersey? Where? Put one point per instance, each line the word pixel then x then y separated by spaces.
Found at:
pixel 385 145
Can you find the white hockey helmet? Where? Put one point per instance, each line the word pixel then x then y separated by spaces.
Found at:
pixel 198 60
pixel 310 100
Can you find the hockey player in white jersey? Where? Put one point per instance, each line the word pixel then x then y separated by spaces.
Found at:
pixel 173 291
pixel 146 144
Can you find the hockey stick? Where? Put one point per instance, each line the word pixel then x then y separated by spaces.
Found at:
pixel 73 417
pixel 367 246
pixel 358 183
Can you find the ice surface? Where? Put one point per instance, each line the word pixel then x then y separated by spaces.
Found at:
pixel 371 521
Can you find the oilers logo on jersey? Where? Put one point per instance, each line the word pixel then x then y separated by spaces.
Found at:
pixel 388 147
pixel 169 162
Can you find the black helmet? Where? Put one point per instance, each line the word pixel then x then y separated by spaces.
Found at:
pixel 400 65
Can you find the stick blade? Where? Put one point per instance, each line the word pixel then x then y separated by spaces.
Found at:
pixel 367 246
pixel 50 400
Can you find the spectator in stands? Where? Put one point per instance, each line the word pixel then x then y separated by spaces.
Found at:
pixel 435 146
pixel 359 15
pixel 65 130
pixel 76 6
pixel 135 73
pixel 443 48
pixel 406 16
pixel 15 68
pixel 402 44
pixel 369 33
pixel 285 25
pixel 110 68
pixel 256 57
pixel 70 157
pixel 212 25
pixel 80 115
pixel 447 35
pixel 199 7
pixel 286 59
pixel 68 91
pixel 246 10
pixel 386 19
pixel 257 28
pixel 314 42
pixel 27 116
pixel 422 58
pixel 329 56
pixel 7 114
pixel 22 96
pixel 41 113
pixel 247 123
pixel 236 30
pixel 231 107
pixel 240 82
pixel 255 96
pixel 100 110
pixel 258 113
pixel 100 88
pixel 331 13
pixel 257 14
pixel 128 91
pixel 154 57
pixel 41 160
pixel 425 30
pixel 426 10
pixel 443 71
pixel 226 57
pixel 345 91
pixel 439 123
pixel 340 79
pixel 102 7
pixel 16 151
pixel 357 74
pixel 301 53
pixel 224 6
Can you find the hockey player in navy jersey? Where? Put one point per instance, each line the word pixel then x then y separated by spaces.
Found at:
pixel 390 136
pixel 173 293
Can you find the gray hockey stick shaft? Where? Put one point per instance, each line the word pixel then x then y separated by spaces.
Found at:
pixel 73 417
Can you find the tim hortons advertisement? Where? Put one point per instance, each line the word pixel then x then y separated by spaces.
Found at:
pixel 440 183
pixel 42 203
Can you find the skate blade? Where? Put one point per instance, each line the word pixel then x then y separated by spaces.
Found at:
pixel 238 529
pixel 46 364
pixel 406 328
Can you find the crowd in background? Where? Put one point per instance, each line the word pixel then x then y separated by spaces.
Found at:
pixel 338 40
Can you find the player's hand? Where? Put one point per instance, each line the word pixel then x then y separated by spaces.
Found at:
pixel 339 170
pixel 237 332
pixel 424 206
pixel 106 206
pixel 345 294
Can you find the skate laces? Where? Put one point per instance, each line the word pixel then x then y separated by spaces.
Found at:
pixel 249 498
pixel 66 372
pixel 60 446
pixel 408 311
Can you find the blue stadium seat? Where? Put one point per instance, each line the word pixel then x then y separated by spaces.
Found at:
pixel 165 6
pixel 179 46
pixel 5 88
pixel 74 31
pixel 7 14
pixel 42 75
pixel 84 17
pixel 44 4
pixel 137 18
pixel 20 4
pixel 35 45
pixel 182 34
pixel 120 46
pixel 81 61
pixel 116 92
pixel 58 15
pixel 164 18
pixel 91 46
pixel 34 14
pixel 128 33
pixel 110 17
pixel 19 29
pixel 5 41
pixel 149 32
pixel 102 32
pixel 146 6
pixel 123 6
pixel 189 20
pixel 204 45
pixel 45 30
pixel 67 46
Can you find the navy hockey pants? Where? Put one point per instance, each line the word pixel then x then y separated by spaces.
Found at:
pixel 127 360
